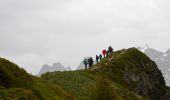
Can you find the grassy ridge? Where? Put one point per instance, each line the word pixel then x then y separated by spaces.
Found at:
pixel 86 86
pixel 126 74
pixel 17 84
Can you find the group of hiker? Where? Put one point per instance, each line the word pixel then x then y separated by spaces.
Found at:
pixel 89 60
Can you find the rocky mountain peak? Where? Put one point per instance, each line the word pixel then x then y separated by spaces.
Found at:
pixel 55 67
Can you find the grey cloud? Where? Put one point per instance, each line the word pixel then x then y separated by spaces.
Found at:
pixel 68 30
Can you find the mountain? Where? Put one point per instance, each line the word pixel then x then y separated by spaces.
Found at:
pixel 17 84
pixel 55 67
pixel 126 74
pixel 162 59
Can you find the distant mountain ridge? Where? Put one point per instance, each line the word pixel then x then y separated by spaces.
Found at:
pixel 55 67
pixel 162 59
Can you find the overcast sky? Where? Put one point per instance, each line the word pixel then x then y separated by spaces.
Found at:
pixel 37 32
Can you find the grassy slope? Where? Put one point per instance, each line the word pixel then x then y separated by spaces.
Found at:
pixel 86 86
pixel 106 80
pixel 129 68
pixel 114 66
pixel 103 81
pixel 17 84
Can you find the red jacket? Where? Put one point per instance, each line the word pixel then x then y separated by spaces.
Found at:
pixel 104 52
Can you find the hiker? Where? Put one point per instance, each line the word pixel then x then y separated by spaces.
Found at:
pixel 90 60
pixel 100 56
pixel 110 50
pixel 104 53
pixel 85 63
pixel 97 59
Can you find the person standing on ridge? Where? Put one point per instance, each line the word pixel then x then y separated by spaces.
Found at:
pixel 97 59
pixel 90 61
pixel 100 56
pixel 85 63
pixel 104 53
pixel 110 50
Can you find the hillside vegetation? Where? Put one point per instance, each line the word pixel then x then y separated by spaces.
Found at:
pixel 127 74
pixel 17 84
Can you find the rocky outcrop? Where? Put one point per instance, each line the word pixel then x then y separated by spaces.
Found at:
pixel 55 67
pixel 162 59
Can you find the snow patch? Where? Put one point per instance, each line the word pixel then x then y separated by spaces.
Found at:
pixel 143 49
pixel 165 55
pixel 156 58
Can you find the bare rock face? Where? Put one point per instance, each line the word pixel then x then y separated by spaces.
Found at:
pixel 162 59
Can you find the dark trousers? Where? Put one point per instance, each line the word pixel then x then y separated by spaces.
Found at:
pixel 85 66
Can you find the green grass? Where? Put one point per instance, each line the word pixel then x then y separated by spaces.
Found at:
pixel 76 83
pixel 17 84
pixel 117 77
pixel 84 85
pixel 17 94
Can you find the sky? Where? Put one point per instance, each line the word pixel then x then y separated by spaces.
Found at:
pixel 38 32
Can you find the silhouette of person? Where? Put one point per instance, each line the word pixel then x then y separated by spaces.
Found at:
pixel 110 50
pixel 97 59
pixel 100 56
pixel 104 53
pixel 85 63
pixel 90 61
